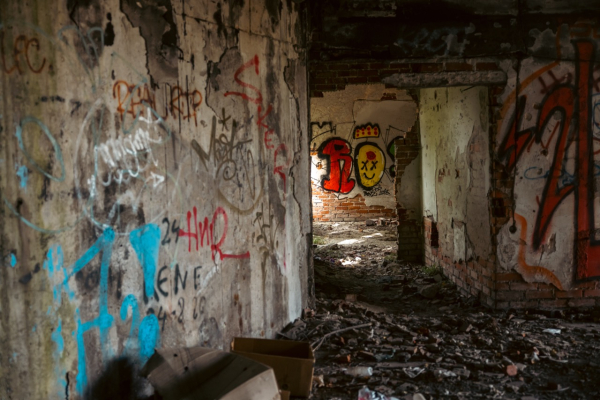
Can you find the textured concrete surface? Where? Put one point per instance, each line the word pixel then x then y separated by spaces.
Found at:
pixel 154 175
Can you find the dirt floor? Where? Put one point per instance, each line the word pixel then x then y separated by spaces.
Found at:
pixel 423 340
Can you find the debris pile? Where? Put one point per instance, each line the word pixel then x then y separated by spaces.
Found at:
pixel 457 352
pixel 382 329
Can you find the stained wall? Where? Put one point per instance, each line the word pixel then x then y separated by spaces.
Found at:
pixel 547 151
pixel 154 178
pixel 454 125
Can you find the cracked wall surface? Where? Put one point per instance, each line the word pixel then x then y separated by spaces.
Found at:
pixel 456 169
pixel 154 176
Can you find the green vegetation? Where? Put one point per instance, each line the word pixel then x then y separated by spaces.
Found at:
pixel 319 240
pixel 432 270
pixel 390 257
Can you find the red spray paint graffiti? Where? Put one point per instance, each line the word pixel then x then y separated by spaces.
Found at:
pixel 573 103
pixel 198 231
pixel 340 165
pixel 23 49
pixel 134 100
pixel 261 117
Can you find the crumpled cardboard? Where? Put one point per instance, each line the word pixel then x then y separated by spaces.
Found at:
pixel 208 374
pixel 292 361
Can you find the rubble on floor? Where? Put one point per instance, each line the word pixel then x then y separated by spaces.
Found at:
pixel 403 331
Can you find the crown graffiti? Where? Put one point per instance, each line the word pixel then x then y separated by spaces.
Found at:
pixel 368 130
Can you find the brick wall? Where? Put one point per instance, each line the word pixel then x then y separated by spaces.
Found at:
pixel 328 208
pixel 335 75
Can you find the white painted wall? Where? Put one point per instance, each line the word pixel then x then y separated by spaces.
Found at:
pixel 455 156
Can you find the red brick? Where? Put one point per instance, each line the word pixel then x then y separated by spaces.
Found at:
pixel 360 79
pixel 557 303
pixel 379 65
pixel 337 67
pixel 525 304
pixel 368 72
pixel 592 293
pixel 459 67
pixel 486 66
pixel 523 286
pixel 581 302
pixel 427 67
pixel 508 277
pixel 569 294
pixel 510 296
pixel 539 294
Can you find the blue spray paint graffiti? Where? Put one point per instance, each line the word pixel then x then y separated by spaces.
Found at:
pixel 60 346
pixel 148 336
pixel 22 173
pixel 143 336
pixel 55 145
pixel 145 241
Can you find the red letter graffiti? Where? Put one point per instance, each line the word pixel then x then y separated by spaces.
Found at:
pixel 574 104
pixel 258 100
pixel 338 180
pixel 207 231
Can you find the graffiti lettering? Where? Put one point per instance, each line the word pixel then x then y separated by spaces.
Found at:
pixel 25 48
pixel 135 99
pixel 572 103
pixel 197 231
pixel 340 165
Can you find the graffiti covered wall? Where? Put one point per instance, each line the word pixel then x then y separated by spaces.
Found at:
pixel 548 143
pixel 352 147
pixel 153 175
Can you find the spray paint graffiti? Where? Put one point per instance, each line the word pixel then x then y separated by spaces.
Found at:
pixel 134 99
pixel 197 231
pixel 102 162
pixel 367 161
pixel 569 175
pixel 25 54
pixel 337 153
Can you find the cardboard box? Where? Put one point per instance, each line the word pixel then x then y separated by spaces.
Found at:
pixel 293 362
pixel 285 395
pixel 202 373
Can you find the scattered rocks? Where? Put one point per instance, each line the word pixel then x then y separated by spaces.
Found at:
pixel 424 341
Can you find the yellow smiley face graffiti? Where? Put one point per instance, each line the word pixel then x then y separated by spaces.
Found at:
pixel 369 164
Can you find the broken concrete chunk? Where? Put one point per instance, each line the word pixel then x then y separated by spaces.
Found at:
pixel 430 291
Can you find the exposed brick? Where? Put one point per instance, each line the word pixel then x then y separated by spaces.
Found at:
pixel 427 67
pixel 486 66
pixel 523 286
pixel 591 293
pixel 510 296
pixel 556 303
pixel 508 277
pixel 525 304
pixel 459 67
pixel 569 294
pixel 336 67
pixel 539 294
pixel 581 302
pixel 359 79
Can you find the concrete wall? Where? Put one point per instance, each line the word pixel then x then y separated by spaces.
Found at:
pixel 547 146
pixel 154 178
pixel 352 147
pixel 456 169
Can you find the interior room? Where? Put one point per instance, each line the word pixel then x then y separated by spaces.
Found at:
pixel 273 199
